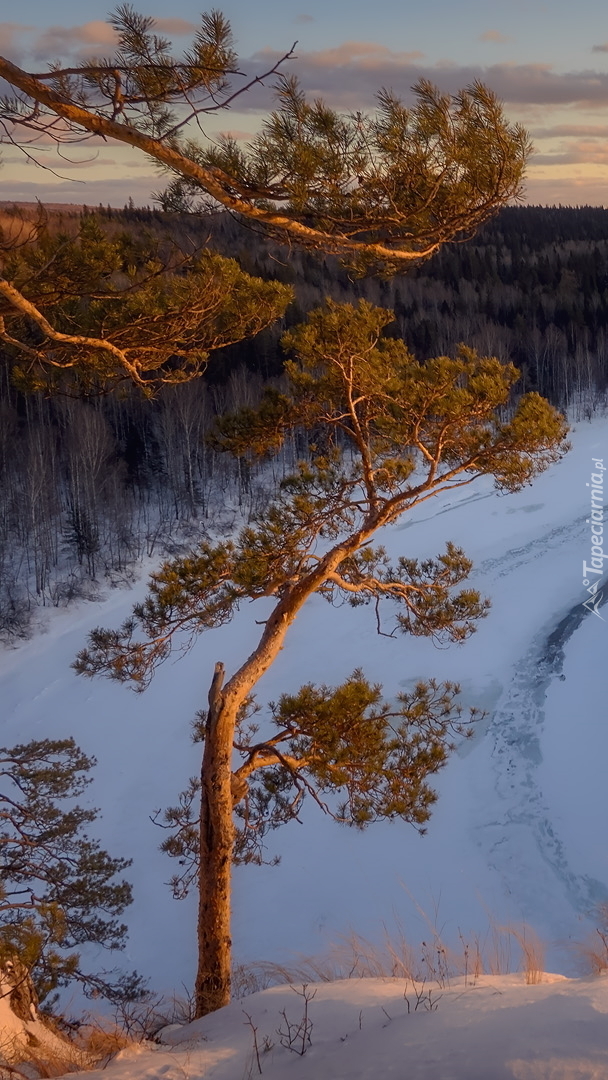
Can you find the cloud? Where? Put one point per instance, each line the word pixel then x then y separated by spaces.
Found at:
pixel 362 54
pixel 61 134
pixel 58 41
pixel 350 75
pixel 8 32
pixel 538 84
pixel 61 41
pixel 581 152
pixel 569 191
pixel 175 26
pixel 84 163
pixel 566 191
pixel 600 48
pixel 11 40
pixel 237 134
pixel 495 36
pixel 65 164
pixel 304 19
pixel 114 192
pixel 571 131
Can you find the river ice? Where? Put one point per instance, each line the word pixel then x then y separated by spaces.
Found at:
pixel 518 832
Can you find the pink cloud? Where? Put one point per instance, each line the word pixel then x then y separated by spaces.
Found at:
pixel 362 54
pixel 571 131
pixel 49 190
pixel 59 40
pixel 350 75
pixel 236 134
pixel 581 152
pixel 62 41
pixel 58 133
pixel 64 164
pixel 570 191
pixel 11 40
pixel 175 26
pixel 567 191
pixel 8 32
pixel 495 36
pixel 600 48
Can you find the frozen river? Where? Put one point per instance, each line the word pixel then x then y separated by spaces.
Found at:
pixel 519 828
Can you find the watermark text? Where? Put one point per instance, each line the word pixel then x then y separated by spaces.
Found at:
pixel 593 570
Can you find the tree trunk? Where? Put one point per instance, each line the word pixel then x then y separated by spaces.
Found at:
pixel 22 995
pixel 212 989
pixel 216 846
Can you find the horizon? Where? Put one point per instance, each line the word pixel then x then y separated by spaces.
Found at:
pixel 546 62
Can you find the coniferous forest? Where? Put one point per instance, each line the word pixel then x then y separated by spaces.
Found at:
pixel 89 487
pixel 338 320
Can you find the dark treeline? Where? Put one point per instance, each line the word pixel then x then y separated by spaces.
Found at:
pixel 90 488
pixel 530 287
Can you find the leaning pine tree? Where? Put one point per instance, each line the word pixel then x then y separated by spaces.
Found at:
pixel 383 189
pixel 386 432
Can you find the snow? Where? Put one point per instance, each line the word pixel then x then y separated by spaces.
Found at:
pixel 22 1040
pixel 492 1028
pixel 518 832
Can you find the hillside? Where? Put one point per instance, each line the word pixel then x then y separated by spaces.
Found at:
pixel 517 833
pixel 490 1028
pixel 90 487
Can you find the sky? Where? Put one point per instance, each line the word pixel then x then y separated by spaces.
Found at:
pixel 547 61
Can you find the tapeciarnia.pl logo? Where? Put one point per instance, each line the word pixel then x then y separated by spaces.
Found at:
pixel 596 521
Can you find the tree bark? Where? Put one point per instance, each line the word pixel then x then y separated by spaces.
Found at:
pixel 214 181
pixel 212 989
pixel 22 996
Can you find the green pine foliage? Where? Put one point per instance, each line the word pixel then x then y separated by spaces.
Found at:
pixel 360 758
pixel 347 740
pixel 411 178
pixel 59 890
pixel 159 312
pixel 385 433
pixel 383 189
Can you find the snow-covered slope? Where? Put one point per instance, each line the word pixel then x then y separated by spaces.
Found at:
pixel 25 1040
pixel 518 831
pixel 495 1028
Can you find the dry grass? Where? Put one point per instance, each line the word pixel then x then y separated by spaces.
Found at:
pixel 430 962
pixel 594 951
pixel 41 1060
pixel 532 951
pixel 501 951
pixel 139 1022
pixel 93 1042
pixel 102 1042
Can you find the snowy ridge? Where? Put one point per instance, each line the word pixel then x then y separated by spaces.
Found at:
pixel 492 1028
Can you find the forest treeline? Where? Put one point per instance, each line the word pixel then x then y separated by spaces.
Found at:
pixel 531 287
pixel 89 488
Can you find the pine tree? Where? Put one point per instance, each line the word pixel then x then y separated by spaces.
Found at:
pixel 85 312
pixel 58 888
pixel 383 189
pixel 385 433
